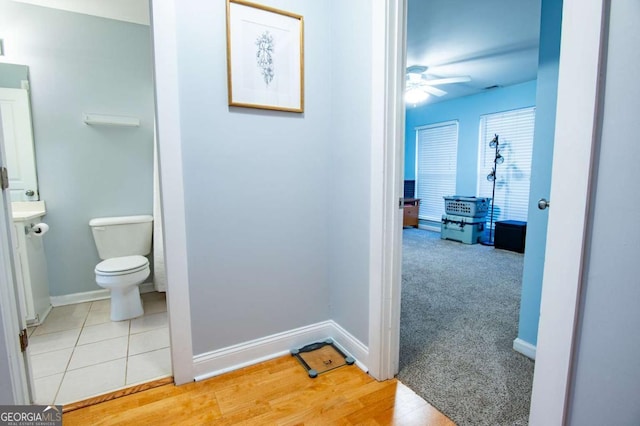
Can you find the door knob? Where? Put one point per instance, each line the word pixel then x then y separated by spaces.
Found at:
pixel 29 193
pixel 543 204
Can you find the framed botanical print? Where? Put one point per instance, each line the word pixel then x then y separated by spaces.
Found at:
pixel 265 57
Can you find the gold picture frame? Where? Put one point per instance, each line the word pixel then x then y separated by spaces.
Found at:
pixel 265 57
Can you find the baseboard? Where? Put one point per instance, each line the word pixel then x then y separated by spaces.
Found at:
pixel 234 357
pixel 426 227
pixel 349 344
pixel 525 348
pixel 39 319
pixel 90 296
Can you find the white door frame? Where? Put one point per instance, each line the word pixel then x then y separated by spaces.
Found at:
pixel 387 169
pixel 9 301
pixel 165 62
pixel 576 130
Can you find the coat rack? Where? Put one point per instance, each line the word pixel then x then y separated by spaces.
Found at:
pixel 492 177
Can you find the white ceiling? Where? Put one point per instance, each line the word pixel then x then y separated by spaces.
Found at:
pixel 136 11
pixel 495 42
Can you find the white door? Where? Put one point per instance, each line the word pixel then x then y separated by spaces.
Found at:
pixel 18 139
pixel 13 318
pixel 577 117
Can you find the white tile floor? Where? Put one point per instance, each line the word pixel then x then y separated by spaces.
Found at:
pixel 79 352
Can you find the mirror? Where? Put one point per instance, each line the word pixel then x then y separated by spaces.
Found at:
pixel 15 109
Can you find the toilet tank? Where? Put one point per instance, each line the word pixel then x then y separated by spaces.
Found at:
pixel 122 236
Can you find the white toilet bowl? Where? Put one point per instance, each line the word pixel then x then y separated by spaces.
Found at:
pixel 122 243
pixel 122 275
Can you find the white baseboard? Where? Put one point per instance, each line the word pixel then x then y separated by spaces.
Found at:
pixel 234 357
pixel 433 228
pixel 90 296
pixel 38 320
pixel 349 344
pixel 525 348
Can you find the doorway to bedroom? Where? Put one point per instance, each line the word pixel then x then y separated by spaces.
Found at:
pixel 462 310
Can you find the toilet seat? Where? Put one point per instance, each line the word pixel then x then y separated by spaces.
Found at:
pixel 122 265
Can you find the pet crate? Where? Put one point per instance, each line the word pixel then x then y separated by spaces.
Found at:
pixel 467 206
pixel 464 229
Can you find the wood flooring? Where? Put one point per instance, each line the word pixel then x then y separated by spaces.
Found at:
pixel 276 392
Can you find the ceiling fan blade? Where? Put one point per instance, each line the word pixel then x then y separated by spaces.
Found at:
pixel 434 91
pixel 450 80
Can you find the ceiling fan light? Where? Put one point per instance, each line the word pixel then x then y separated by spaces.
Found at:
pixel 414 77
pixel 415 96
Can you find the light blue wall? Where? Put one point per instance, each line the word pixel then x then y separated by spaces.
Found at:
pixel 467 111
pixel 350 167
pixel 276 203
pixel 79 63
pixel 11 75
pixel 256 187
pixel 542 158
pixel 606 376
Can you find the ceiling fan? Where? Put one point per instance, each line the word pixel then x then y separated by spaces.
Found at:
pixel 419 87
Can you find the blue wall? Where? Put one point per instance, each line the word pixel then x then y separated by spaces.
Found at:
pixel 467 111
pixel 542 158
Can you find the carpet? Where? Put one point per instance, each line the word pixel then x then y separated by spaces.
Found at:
pixel 459 317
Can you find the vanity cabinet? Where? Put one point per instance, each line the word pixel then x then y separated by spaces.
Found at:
pixel 31 265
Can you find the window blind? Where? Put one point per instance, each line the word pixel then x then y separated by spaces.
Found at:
pixel 515 131
pixel 436 159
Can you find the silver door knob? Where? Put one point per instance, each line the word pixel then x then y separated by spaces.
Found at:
pixel 29 193
pixel 543 204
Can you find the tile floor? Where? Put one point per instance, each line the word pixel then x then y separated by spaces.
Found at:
pixel 79 352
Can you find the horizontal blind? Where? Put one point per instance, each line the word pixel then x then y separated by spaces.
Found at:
pixel 515 131
pixel 436 157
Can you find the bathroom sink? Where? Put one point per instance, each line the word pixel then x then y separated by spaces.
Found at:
pixel 27 210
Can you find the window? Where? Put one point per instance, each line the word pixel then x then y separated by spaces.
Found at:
pixel 515 131
pixel 436 158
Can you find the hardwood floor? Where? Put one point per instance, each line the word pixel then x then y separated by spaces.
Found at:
pixel 274 392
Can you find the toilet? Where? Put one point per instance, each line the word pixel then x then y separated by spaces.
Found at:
pixel 122 243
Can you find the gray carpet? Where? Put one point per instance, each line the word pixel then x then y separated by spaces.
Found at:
pixel 458 321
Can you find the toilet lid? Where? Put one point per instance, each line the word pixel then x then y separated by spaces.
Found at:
pixel 120 265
